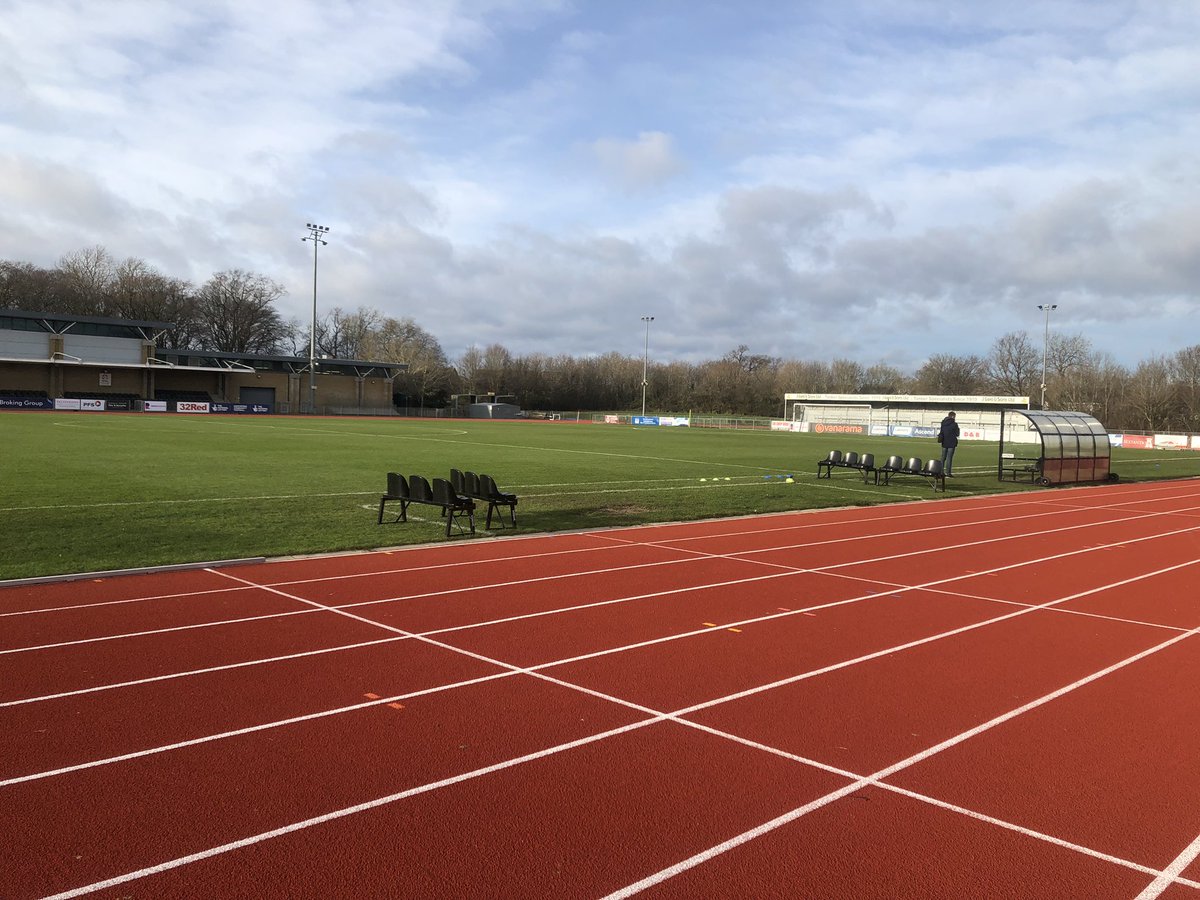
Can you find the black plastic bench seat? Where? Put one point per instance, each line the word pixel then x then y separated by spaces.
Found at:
pixel 931 470
pixel 417 489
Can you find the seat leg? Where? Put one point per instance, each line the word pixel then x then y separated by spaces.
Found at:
pixel 382 501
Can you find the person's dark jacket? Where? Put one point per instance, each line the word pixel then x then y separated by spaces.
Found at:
pixel 948 435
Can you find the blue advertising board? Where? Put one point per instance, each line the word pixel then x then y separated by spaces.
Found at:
pixel 26 403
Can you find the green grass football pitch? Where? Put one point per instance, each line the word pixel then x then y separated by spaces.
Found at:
pixel 91 492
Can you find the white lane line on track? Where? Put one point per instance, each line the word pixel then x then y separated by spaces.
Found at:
pixel 1172 872
pixel 671 871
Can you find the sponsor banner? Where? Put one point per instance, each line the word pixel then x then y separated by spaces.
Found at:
pixel 612 420
pixel 644 420
pixel 1137 442
pixel 240 408
pixel 25 403
pixel 831 428
pixel 154 406
pixel 675 420
pixel 781 426
pixel 1196 441
pixel 92 405
pixel 65 403
pixel 914 431
pixel 118 405
pixel 1171 441
pixel 1116 440
pixel 191 406
pixel 879 430
pixel 972 434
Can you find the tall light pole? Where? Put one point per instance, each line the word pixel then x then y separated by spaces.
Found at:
pixel 316 234
pixel 1045 307
pixel 646 361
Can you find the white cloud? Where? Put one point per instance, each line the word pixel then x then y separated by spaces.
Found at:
pixel 646 162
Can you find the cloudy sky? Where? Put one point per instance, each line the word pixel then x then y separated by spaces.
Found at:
pixel 881 180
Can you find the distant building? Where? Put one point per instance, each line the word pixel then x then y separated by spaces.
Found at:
pixel 59 356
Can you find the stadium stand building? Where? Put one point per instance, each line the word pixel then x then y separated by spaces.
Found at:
pixel 55 360
pixel 884 413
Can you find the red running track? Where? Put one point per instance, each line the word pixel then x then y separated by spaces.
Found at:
pixel 986 697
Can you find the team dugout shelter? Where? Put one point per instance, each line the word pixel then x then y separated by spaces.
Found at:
pixel 1054 447
pixel 47 359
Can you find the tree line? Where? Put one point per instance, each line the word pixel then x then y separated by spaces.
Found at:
pixel 234 311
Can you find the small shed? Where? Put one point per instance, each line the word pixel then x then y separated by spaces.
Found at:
pixel 1053 447
pixel 494 411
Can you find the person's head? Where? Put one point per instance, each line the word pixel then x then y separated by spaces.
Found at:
pixel 950 414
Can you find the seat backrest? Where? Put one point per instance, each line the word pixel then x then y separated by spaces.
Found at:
pixel 471 484
pixel 867 461
pixel 443 492
pixel 488 489
pixel 458 482
pixel 397 485
pixel 914 464
pixel 419 489
pixel 893 462
pixel 850 458
pixel 835 456
pixel 934 467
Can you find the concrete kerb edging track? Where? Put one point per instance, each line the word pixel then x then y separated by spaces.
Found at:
pixel 145 570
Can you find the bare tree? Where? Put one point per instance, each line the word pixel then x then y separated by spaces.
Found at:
pixel 1185 373
pixel 428 376
pixel 344 335
pixel 469 367
pixel 1151 395
pixel 946 374
pixel 26 286
pixel 1013 365
pixel 85 279
pixel 883 379
pixel 237 313
pixel 845 376
pixel 139 291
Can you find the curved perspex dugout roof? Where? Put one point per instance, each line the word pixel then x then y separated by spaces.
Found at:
pixel 1053 447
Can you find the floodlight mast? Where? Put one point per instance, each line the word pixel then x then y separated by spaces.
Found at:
pixel 316 234
pixel 646 361
pixel 1045 307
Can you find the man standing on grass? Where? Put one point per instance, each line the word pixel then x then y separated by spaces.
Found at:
pixel 948 438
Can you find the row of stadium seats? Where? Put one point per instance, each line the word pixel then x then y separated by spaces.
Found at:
pixel 456 497
pixel 895 465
